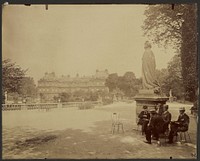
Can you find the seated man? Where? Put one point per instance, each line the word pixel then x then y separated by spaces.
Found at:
pixel 144 117
pixel 181 125
pixel 154 126
pixel 166 116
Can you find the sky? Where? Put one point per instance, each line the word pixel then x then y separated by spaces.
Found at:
pixel 71 39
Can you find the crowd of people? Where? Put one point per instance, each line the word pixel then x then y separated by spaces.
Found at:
pixel 157 121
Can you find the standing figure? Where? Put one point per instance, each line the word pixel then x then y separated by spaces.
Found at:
pixel 194 108
pixel 149 68
pixel 159 109
pixel 144 117
pixel 166 115
pixel 154 126
pixel 181 125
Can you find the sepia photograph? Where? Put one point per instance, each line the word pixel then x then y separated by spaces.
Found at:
pixel 109 81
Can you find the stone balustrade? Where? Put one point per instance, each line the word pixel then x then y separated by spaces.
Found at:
pixel 47 106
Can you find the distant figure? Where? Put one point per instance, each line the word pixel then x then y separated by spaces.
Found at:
pixel 148 68
pixel 182 124
pixel 194 108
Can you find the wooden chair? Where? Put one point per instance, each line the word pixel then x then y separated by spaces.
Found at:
pixel 139 127
pixel 183 137
pixel 163 137
pixel 116 123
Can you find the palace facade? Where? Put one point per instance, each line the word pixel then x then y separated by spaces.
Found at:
pixel 50 85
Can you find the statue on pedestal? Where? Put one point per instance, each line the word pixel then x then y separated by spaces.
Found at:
pixel 149 69
pixel 151 94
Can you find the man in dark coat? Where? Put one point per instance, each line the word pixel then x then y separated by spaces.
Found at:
pixel 181 125
pixel 160 109
pixel 155 126
pixel 144 117
pixel 166 115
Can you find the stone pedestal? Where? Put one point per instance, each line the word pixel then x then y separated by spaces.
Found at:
pixel 59 105
pixel 148 98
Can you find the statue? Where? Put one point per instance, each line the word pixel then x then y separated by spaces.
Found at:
pixel 149 69
pixel 170 96
pixel 151 95
pixel 6 97
pixel 170 93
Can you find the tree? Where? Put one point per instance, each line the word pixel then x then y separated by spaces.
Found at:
pixel 64 97
pixel 94 96
pixel 111 81
pixel 189 53
pixel 55 98
pixel 177 27
pixel 129 76
pixel 28 87
pixel 42 97
pixel 163 25
pixel 171 78
pixel 127 84
pixel 79 93
pixel 163 79
pixel 12 76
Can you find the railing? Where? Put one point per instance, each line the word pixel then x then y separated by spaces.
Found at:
pixel 70 104
pixel 76 104
pixel 8 107
pixel 47 106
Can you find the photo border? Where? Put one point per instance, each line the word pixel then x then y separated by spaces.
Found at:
pixel 99 2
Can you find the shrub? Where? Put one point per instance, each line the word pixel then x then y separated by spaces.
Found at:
pixel 84 106
pixel 107 101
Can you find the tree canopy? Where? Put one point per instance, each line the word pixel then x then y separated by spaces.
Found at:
pixel 12 76
pixel 171 78
pixel 178 28
pixel 28 87
pixel 128 83
pixel 111 81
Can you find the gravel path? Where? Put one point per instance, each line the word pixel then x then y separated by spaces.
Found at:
pixel 83 134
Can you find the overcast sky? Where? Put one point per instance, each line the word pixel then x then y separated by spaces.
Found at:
pixel 70 39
